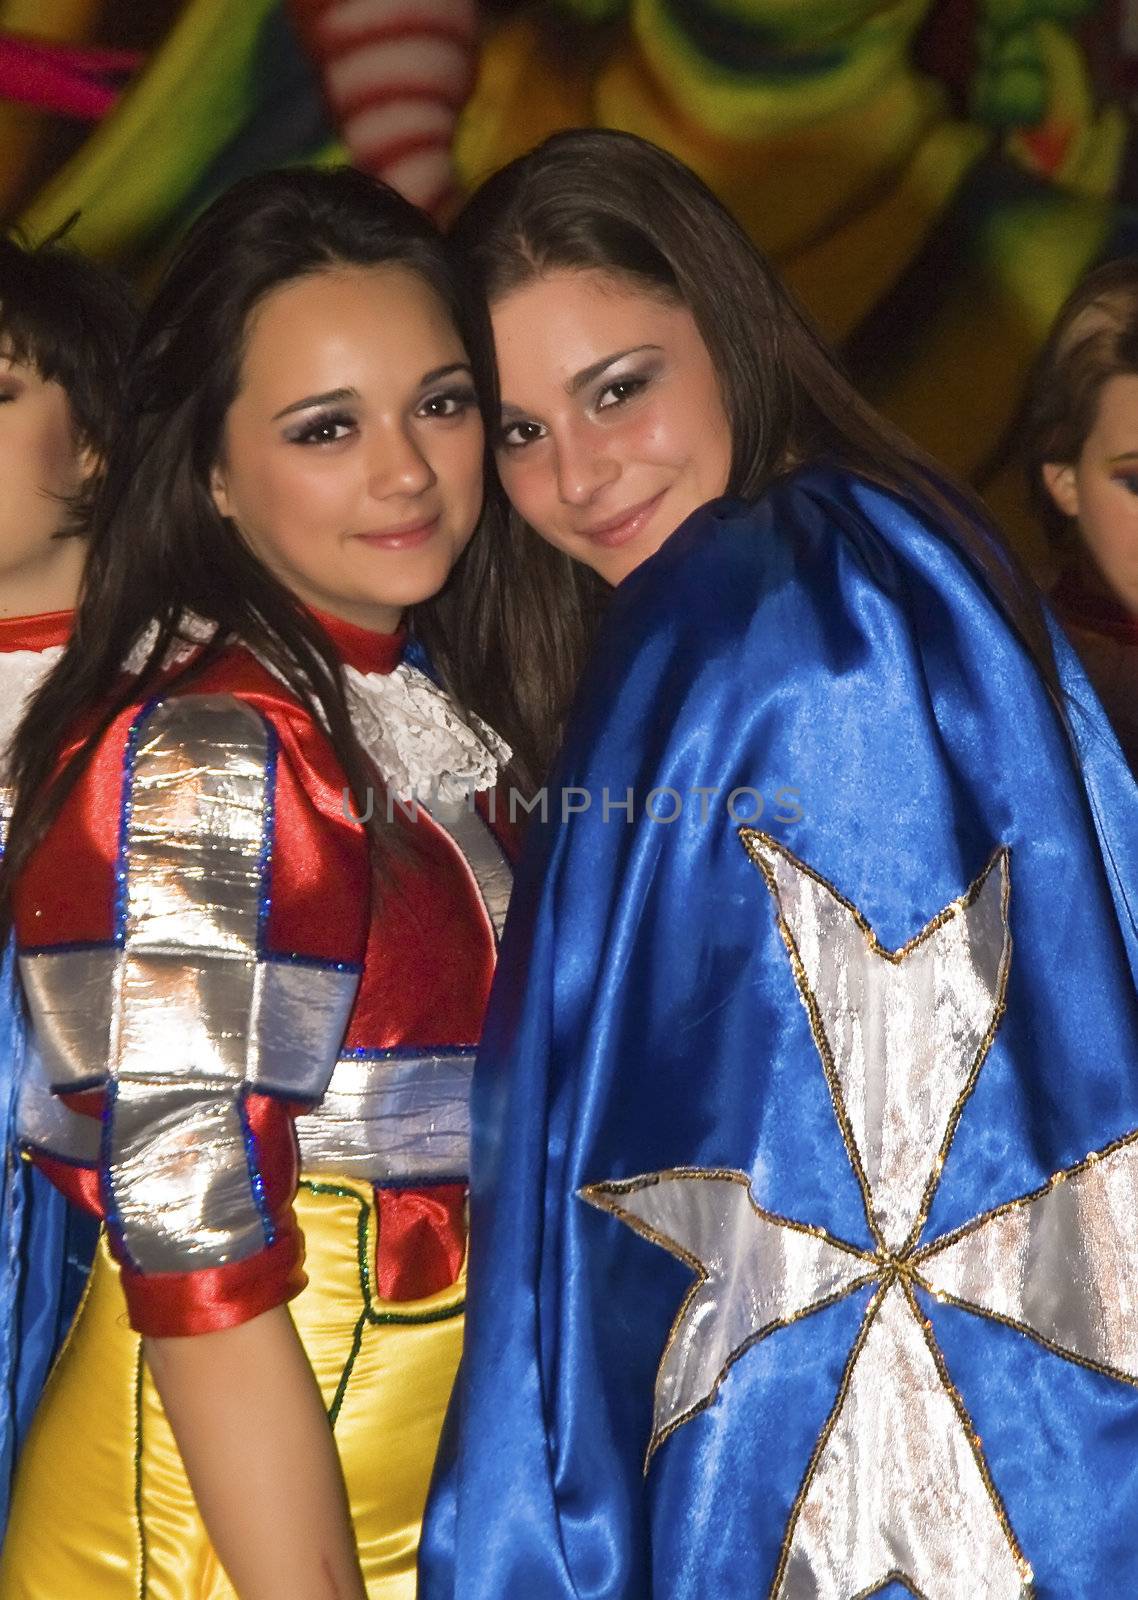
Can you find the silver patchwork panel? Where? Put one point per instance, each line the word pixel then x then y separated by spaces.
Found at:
pixel 180 1177
pixel 300 1016
pixel 186 1010
pixel 46 1124
pixel 71 998
pixel 392 1118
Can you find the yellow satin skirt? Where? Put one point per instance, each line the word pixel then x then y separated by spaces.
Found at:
pixel 102 1509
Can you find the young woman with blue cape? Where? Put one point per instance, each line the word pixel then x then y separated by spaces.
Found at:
pixel 65 328
pixel 804 1235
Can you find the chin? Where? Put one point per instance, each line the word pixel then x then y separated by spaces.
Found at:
pixel 414 588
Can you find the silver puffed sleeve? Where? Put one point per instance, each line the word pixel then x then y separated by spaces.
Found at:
pixel 185 1010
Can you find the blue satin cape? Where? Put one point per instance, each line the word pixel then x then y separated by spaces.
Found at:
pixel 46 1248
pixel 829 651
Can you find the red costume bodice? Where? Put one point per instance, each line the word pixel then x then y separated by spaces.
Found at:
pixel 213 967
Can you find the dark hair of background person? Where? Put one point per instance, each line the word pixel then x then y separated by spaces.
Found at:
pixel 1093 339
pixel 597 199
pixel 72 322
pixel 161 549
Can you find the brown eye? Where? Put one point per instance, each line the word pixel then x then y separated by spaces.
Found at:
pixel 621 389
pixel 516 435
pixel 451 403
pixel 327 429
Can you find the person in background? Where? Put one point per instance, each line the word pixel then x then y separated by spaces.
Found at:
pixel 256 921
pixel 66 326
pixel 1081 444
pixel 804 1249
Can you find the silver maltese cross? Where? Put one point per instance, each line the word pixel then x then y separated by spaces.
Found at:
pixel 897 1487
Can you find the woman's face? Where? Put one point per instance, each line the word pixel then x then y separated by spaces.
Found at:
pixel 352 453
pixel 1100 489
pixel 42 465
pixel 613 427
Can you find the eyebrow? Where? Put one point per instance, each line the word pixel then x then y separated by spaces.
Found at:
pixel 333 396
pixel 582 380
pixel 1127 455
pixel 327 399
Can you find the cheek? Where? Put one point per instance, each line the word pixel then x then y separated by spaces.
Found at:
pixel 1109 518
pixel 52 457
pixel 691 435
pixel 289 497
pixel 529 482
pixel 459 465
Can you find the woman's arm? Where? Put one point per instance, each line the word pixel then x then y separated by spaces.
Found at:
pixel 254 1436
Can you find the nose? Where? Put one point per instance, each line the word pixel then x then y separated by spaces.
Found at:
pixel 396 464
pixel 585 465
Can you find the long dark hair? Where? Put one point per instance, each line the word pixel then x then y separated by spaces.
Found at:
pixel 1093 339
pixel 160 548
pixel 603 200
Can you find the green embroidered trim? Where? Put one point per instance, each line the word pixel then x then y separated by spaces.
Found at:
pixel 369 1313
pixel 363 1260
pixel 345 1376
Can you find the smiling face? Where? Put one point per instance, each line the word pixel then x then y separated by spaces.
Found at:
pixel 42 465
pixel 352 454
pixel 1100 489
pixel 613 426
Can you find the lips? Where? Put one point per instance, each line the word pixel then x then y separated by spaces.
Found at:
pixel 407 536
pixel 620 529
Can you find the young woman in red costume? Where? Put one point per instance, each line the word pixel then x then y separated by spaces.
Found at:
pixel 256 918
pixel 65 331
pixel 1082 443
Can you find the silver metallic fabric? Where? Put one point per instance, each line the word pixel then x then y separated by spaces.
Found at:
pixel 482 853
pixel 391 1116
pixel 299 1016
pixel 45 1123
pixel 71 997
pixel 897 1487
pixel 185 1010
pixel 1061 1263
pixel 756 1273
pixel 898 1490
pixel 901 1033
pixel 179 1177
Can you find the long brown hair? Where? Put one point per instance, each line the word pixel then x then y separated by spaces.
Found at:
pixel 597 199
pixel 1093 339
pixel 160 548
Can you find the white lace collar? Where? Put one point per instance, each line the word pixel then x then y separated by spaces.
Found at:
pixel 408 727
pixel 21 673
pixel 415 736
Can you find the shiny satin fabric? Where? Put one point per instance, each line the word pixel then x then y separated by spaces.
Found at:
pixel 969 1412
pixel 218 819
pixel 45 1244
pixel 45 1253
pixel 102 1509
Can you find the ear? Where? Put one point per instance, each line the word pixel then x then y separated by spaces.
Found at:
pixel 1062 485
pixel 219 489
pixel 89 461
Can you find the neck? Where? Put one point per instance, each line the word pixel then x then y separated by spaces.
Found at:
pixel 50 584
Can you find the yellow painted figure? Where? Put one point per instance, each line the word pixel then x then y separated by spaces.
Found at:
pixel 937 247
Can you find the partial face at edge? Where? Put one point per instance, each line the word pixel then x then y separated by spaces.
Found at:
pixel 613 425
pixel 42 466
pixel 353 453
pixel 1100 489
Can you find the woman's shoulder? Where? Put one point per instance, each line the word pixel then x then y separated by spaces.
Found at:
pixel 235 678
